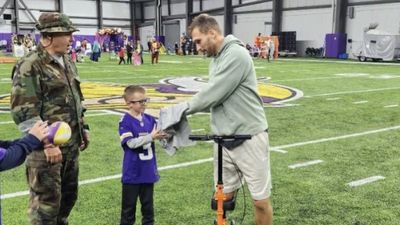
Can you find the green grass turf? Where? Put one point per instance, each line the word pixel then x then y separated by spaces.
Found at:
pixel 312 195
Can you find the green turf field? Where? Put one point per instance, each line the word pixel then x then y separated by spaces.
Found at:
pixel 348 117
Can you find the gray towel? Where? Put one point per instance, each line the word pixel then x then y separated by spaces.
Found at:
pixel 173 121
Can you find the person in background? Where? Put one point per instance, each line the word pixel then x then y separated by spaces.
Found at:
pixel 139 50
pixel 96 50
pixel 176 48
pixel 258 41
pixel 121 55
pixel 155 51
pixel 129 52
pixel 183 44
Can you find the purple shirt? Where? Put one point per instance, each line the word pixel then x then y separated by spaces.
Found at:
pixel 139 164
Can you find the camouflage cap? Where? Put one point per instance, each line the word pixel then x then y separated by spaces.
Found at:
pixel 53 22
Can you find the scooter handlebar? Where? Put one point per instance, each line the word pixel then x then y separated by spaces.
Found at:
pixel 219 137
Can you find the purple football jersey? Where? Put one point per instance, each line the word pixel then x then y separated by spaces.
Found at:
pixel 139 164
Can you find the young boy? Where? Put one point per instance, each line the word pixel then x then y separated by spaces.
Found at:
pixel 139 170
pixel 13 153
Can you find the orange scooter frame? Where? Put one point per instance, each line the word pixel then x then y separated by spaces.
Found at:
pixel 220 204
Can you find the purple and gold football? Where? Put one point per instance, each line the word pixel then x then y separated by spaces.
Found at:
pixel 59 133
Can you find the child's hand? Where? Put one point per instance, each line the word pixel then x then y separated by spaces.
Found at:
pixel 40 130
pixel 157 134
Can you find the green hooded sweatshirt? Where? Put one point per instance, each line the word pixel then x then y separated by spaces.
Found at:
pixel 231 93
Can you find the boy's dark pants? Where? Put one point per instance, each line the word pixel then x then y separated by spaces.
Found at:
pixel 130 194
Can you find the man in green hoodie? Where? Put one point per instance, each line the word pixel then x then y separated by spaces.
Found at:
pixel 236 108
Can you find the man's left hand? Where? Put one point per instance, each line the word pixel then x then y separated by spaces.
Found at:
pixel 86 140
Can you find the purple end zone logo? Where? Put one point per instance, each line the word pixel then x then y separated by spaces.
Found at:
pixel 102 96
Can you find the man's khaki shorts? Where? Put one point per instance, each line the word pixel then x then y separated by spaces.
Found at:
pixel 249 162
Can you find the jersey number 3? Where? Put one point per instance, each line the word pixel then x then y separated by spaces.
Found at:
pixel 147 153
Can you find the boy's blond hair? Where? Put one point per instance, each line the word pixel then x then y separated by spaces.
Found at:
pixel 131 89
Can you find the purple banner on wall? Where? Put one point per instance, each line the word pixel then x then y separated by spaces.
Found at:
pixel 7 37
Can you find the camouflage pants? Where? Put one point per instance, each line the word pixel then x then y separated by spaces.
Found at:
pixel 53 187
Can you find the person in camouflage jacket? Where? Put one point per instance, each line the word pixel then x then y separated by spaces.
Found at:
pixel 46 87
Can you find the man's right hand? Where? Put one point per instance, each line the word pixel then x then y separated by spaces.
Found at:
pixel 53 154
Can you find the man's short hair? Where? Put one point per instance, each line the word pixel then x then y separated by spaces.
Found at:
pixel 131 89
pixel 204 23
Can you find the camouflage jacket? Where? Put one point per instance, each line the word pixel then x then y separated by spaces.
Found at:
pixel 44 89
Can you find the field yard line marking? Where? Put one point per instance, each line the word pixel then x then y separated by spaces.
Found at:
pixel 365 181
pixel 112 177
pixel 15 194
pixel 7 122
pixel 272 149
pixel 351 92
pixel 302 79
pixel 198 130
pixel 114 112
pixel 390 106
pixel 99 114
pixel 360 102
pixel 106 113
pixel 332 99
pixel 337 137
pixel 304 164
pixel 119 78
pixel 21 193
pixel 341 62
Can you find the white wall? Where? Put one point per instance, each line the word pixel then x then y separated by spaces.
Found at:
pixel 86 8
pixel 302 3
pixel 149 11
pixel 310 25
pixel 178 8
pixel 40 4
pixel 211 4
pixel 145 33
pixel 248 26
pixel 387 15
pixel 116 10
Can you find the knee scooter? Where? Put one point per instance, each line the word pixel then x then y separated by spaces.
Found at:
pixel 218 202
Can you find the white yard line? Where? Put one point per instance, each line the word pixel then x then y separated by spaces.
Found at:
pixel 6 122
pixel 332 99
pixel 390 106
pixel 304 164
pixel 360 102
pixel 365 181
pixel 276 149
pixel 119 78
pixel 314 78
pixel 100 179
pixel 341 62
pixel 352 92
pixel 198 130
pixel 338 137
pixel 113 177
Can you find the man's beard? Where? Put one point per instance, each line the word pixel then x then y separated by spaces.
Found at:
pixel 211 53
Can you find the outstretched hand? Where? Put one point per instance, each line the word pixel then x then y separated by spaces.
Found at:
pixel 157 134
pixel 40 130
